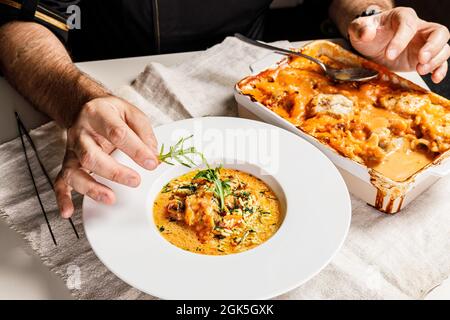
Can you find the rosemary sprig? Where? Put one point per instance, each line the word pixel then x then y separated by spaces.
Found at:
pixel 179 153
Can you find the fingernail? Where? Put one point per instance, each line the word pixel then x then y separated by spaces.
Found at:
pixel 426 56
pixel 150 164
pixel 439 75
pixel 132 182
pixel 65 214
pixel 392 54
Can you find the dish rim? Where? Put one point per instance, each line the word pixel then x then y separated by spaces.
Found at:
pixel 278 233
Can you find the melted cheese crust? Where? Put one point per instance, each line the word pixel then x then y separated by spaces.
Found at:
pixel 389 128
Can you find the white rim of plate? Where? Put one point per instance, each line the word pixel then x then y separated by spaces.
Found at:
pixel 313 231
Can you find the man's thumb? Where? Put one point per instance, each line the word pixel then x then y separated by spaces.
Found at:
pixel 363 29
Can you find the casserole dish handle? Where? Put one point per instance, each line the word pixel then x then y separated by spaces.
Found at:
pixel 440 171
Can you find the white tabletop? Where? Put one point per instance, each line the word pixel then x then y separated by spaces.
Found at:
pixel 21 273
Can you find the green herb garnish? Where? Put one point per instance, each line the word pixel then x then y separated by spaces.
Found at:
pixel 248 209
pixel 242 194
pixel 191 187
pixel 241 239
pixel 263 193
pixel 221 188
pixel 179 153
pixel 261 211
pixel 166 188
pixel 183 155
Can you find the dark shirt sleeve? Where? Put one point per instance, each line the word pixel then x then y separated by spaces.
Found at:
pixel 53 8
pixel 7 14
pixel 56 9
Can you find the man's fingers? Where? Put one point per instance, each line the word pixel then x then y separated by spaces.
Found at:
pixel 63 198
pixel 83 183
pixel 109 123
pixel 92 158
pixel 404 22
pixel 141 125
pixel 436 62
pixel 436 41
pixel 440 73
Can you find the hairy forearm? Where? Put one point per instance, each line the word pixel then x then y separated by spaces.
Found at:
pixel 343 12
pixel 36 63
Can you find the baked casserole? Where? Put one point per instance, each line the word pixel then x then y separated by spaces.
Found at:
pixel 389 125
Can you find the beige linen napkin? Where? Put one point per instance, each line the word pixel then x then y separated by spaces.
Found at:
pixel 400 256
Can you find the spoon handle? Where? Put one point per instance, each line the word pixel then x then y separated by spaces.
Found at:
pixel 279 50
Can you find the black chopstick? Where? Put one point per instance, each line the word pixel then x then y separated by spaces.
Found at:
pixel 34 184
pixel 23 131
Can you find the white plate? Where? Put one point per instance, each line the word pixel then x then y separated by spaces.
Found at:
pixel 312 192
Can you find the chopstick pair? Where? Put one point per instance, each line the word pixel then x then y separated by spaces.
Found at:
pixel 23 131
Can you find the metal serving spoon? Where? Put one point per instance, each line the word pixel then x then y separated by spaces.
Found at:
pixel 348 74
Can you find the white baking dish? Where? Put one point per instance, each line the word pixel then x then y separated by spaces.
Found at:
pixel 378 191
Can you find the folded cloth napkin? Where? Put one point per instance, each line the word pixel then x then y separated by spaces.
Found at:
pixel 400 256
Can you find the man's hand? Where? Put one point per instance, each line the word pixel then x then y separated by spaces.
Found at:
pixel 39 67
pixel 103 125
pixel 400 40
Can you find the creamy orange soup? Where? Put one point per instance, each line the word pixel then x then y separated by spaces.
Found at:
pixel 389 128
pixel 187 213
